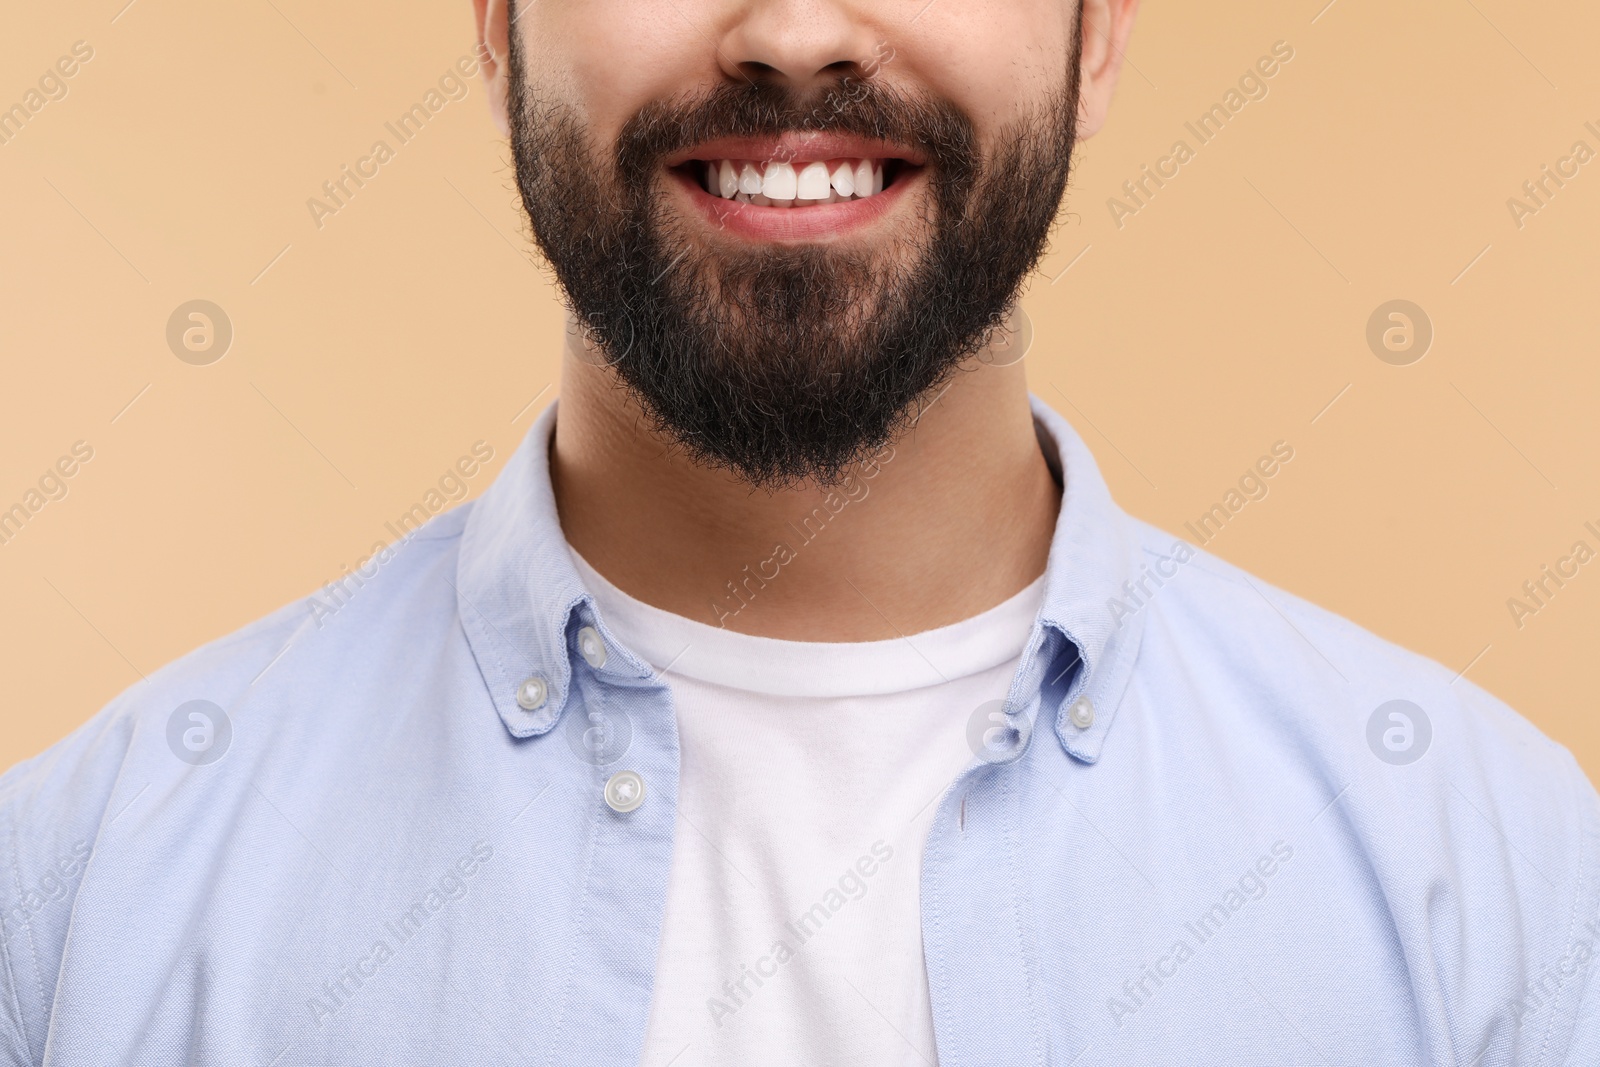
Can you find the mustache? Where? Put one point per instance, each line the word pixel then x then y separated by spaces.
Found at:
pixel 861 107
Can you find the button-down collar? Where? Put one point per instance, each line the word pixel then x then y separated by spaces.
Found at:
pixel 520 598
pixel 522 602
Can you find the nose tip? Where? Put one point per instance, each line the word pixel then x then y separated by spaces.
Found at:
pixel 799 44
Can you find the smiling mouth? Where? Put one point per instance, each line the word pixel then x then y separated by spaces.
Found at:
pixel 798 183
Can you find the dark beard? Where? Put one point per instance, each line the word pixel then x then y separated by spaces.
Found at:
pixel 788 364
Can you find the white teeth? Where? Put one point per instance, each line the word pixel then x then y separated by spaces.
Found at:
pixel 844 180
pixel 780 182
pixel 814 183
pixel 862 177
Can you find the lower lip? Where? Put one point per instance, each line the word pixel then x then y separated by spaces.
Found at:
pixel 820 222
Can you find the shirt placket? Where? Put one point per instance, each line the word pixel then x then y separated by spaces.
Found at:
pixel 976 921
pixel 630 806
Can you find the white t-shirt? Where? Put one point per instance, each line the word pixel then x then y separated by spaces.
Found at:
pixel 810 774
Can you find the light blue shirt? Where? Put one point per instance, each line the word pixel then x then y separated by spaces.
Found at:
pixel 1225 827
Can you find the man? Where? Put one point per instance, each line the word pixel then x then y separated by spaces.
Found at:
pixel 797 694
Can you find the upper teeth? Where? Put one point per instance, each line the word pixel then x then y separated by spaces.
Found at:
pixel 779 184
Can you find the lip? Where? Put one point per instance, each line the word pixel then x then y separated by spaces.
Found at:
pixel 793 146
pixel 821 222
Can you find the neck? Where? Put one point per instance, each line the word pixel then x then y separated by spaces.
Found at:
pixel 949 520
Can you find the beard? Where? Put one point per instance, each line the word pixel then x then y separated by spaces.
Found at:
pixel 788 365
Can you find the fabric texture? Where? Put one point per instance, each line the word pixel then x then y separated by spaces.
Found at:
pixel 1194 836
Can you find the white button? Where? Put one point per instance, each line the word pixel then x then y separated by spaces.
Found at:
pixel 532 693
pixel 625 791
pixel 1082 713
pixel 593 649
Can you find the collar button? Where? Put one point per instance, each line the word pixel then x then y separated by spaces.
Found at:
pixel 592 647
pixel 532 693
pixel 1082 713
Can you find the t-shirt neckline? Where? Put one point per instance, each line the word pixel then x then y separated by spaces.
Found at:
pixel 693 649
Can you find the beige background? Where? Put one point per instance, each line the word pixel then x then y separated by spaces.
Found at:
pixel 1227 314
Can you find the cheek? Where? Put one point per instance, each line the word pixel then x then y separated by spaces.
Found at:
pixel 609 59
pixel 997 61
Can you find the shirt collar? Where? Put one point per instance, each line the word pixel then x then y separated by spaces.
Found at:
pixel 1085 649
pixel 519 596
pixel 522 602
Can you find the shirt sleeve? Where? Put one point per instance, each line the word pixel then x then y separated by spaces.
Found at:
pixel 1583 1049
pixel 50 809
pixel 13 1046
pixel 1585 1046
pixel 14 1050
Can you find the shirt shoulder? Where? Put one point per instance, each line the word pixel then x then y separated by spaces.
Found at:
pixel 55 806
pixel 1482 835
pixel 1284 645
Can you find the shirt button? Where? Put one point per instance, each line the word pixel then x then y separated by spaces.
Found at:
pixel 532 693
pixel 1082 713
pixel 625 791
pixel 593 649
